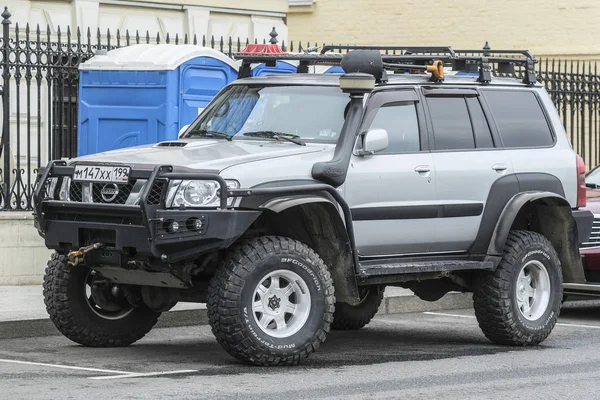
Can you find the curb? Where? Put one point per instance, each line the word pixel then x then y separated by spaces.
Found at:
pixel 390 305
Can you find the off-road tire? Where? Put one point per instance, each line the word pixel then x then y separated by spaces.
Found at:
pixel 495 298
pixel 231 293
pixel 66 303
pixel 347 317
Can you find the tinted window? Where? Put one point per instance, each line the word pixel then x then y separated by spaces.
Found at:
pixel 481 129
pixel 451 123
pixel 519 117
pixel 400 122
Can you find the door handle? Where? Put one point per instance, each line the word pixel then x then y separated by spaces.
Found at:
pixel 499 167
pixel 422 169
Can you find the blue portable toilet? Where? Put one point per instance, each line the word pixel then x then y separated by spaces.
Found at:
pixel 281 67
pixel 145 93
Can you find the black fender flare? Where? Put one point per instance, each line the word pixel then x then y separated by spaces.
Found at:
pixel 280 204
pixel 343 269
pixel 336 251
pixel 512 209
pixel 559 227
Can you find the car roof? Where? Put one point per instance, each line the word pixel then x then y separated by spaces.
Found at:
pixel 398 79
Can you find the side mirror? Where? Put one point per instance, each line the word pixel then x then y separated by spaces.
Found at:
pixel 183 129
pixel 374 140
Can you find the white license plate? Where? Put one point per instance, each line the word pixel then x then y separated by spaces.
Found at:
pixel 101 173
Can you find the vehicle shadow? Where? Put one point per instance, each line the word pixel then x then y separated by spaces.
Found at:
pixel 374 344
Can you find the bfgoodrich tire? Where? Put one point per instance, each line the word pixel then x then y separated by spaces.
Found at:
pixel 78 315
pixel 519 302
pixel 347 317
pixel 271 301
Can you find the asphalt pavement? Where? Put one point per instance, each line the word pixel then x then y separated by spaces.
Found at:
pixel 429 355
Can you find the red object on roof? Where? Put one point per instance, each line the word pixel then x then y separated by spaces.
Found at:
pixel 262 49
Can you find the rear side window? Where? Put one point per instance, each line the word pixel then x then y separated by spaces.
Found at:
pixel 451 123
pixel 481 129
pixel 519 118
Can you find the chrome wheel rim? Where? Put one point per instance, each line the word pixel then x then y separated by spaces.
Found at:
pixel 104 302
pixel 281 303
pixel 533 290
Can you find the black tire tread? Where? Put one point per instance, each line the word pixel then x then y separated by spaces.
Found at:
pixel 491 294
pixel 67 321
pixel 347 317
pixel 225 289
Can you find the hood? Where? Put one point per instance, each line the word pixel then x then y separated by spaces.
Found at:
pixel 215 154
pixel 593 200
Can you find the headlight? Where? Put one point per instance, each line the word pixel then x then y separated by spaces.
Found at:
pixel 197 193
pixel 51 187
pixel 63 194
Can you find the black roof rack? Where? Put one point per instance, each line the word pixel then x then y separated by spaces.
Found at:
pixel 413 58
pixel 387 49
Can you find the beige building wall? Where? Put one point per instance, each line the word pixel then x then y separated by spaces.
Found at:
pixel 556 28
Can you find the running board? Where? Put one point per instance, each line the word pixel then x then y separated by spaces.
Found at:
pixel 380 267
pixel 589 289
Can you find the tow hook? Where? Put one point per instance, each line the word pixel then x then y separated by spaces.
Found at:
pixel 76 257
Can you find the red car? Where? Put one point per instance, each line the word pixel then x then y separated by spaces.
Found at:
pixel 590 250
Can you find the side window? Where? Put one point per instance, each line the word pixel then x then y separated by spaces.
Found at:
pixel 401 123
pixel 452 128
pixel 519 117
pixel 481 129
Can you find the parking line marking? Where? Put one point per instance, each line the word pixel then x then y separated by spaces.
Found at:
pixel 471 316
pixel 143 374
pixel 578 326
pixel 448 315
pixel 107 371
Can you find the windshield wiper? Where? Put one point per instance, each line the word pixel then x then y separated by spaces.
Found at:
pixel 207 133
pixel 592 185
pixel 277 136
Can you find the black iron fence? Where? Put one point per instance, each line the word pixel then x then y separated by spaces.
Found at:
pixel 40 78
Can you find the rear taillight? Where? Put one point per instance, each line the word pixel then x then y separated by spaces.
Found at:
pixel 581 188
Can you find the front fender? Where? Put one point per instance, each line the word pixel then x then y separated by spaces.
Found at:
pixel 280 204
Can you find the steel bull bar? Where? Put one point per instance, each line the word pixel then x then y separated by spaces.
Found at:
pixel 65 224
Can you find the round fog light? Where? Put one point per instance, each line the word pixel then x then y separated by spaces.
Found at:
pixel 194 224
pixel 171 226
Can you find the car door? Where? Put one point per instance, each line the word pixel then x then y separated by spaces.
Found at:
pixel 391 193
pixel 467 164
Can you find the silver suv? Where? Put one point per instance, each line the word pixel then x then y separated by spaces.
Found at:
pixel 292 201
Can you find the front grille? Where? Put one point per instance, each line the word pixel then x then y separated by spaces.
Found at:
pixel 121 196
pixel 156 193
pixel 594 240
pixel 76 190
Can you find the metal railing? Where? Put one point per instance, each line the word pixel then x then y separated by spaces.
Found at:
pixel 40 79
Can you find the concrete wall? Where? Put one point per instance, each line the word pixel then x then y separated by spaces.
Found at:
pixel 556 28
pixel 23 256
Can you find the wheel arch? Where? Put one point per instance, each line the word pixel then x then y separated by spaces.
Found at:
pixel 549 214
pixel 316 220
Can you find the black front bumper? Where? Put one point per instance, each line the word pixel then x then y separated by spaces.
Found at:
pixel 142 229
pixel 584 220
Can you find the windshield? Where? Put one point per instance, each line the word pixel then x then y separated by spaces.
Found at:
pixel 306 113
